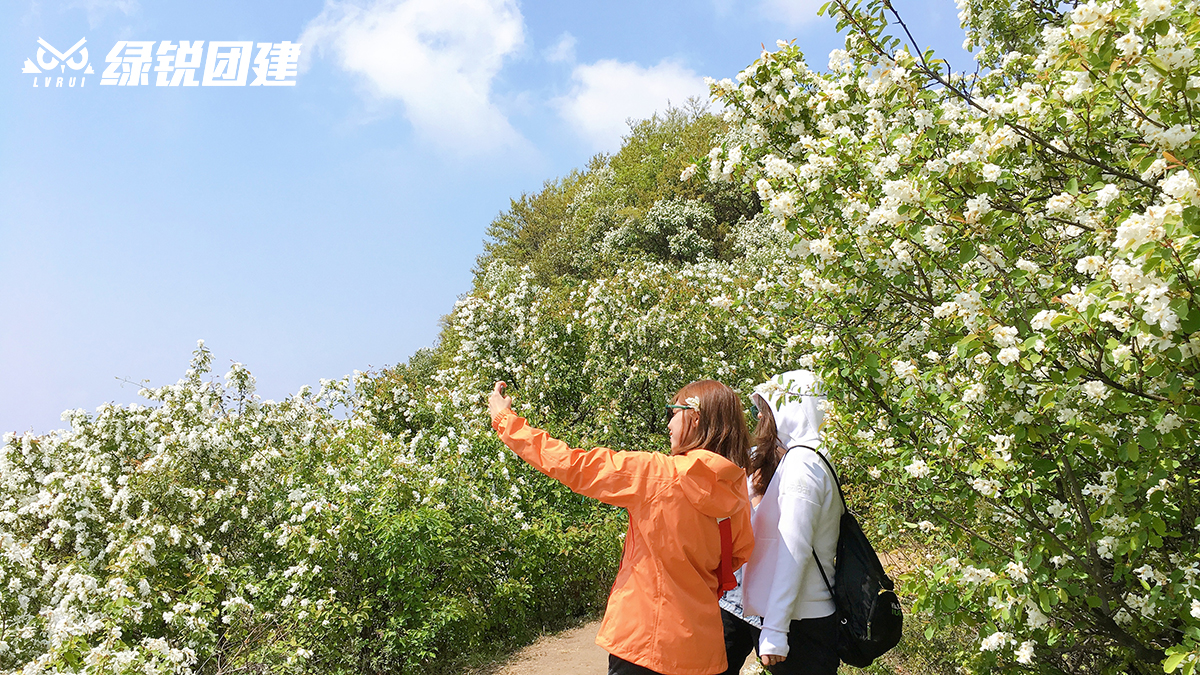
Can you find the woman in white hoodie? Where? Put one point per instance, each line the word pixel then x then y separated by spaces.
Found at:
pixel 782 608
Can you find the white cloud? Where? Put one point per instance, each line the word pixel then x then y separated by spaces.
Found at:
pixel 607 93
pixel 437 57
pixel 97 10
pixel 722 7
pixel 563 51
pixel 101 7
pixel 792 13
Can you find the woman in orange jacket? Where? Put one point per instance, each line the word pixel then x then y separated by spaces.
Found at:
pixel 662 615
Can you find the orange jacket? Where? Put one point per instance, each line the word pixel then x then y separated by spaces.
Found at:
pixel 662 613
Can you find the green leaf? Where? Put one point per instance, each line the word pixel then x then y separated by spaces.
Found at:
pixel 1192 323
pixel 1191 218
pixel 1148 438
pixel 1061 319
pixel 1171 663
pixel 964 345
pixel 1157 64
pixel 966 252
pixel 1073 186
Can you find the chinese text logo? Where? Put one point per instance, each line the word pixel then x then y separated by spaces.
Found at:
pixel 132 63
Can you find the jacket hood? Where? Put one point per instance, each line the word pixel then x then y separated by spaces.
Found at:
pixel 713 484
pixel 796 399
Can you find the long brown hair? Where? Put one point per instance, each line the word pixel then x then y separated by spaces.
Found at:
pixel 766 447
pixel 721 424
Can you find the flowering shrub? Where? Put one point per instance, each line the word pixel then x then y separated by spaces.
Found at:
pixel 212 531
pixel 998 277
pixel 599 359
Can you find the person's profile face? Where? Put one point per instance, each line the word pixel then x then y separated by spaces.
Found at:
pixel 678 428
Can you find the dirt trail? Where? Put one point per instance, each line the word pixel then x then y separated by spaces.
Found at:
pixel 571 652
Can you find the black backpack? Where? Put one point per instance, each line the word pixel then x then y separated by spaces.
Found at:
pixel 869 617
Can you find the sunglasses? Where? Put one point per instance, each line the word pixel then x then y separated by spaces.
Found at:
pixel 755 410
pixel 672 407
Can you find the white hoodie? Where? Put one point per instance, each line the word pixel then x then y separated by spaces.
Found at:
pixel 800 511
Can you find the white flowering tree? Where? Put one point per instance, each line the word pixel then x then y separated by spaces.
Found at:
pixel 999 274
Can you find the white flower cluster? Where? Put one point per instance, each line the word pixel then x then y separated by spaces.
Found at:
pixel 204 514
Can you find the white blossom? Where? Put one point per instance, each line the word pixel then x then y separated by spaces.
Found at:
pixel 1042 320
pixel 1009 355
pixel 917 469
pixel 995 641
pixel 1017 572
pixel 1180 185
pixel 1095 390
pixel 1168 423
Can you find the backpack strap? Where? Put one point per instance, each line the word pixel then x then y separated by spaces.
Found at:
pixel 821 569
pixel 841 495
pixel 725 579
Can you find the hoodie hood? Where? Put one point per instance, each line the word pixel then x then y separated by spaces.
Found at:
pixel 796 399
pixel 713 484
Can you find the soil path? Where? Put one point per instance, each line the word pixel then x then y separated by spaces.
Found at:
pixel 571 652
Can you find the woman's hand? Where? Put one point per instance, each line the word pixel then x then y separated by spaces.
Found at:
pixel 497 401
pixel 771 659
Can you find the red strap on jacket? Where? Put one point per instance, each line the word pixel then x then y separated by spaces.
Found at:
pixel 725 579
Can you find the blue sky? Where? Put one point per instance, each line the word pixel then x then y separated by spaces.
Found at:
pixel 313 230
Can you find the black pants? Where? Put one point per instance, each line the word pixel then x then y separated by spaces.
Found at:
pixel 619 666
pixel 812 646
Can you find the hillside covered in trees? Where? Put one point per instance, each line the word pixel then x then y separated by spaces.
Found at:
pixel 994 275
pixel 213 530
